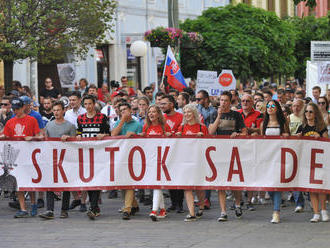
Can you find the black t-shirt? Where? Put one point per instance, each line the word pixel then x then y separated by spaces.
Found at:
pixel 90 127
pixel 49 93
pixel 230 122
pixel 310 131
pixel 47 117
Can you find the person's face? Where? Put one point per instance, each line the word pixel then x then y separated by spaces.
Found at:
pixel 89 105
pixel 124 81
pixel 189 115
pixel 166 106
pixel 19 112
pixel 271 108
pixel 309 113
pixel 247 103
pixel 5 104
pixel 299 96
pixel 225 102
pixel 124 110
pixel 297 107
pixel 105 88
pixel 257 98
pixel 143 106
pixel 200 99
pixel 82 84
pixel 149 94
pixel 259 106
pixel 322 104
pixel 316 93
pixel 74 102
pixel 58 112
pixel 135 104
pixel 181 101
pixel 267 97
pixel 47 104
pixel 117 109
pixel 48 83
pixel 153 115
pixel 92 91
pixel 174 95
pixel 158 99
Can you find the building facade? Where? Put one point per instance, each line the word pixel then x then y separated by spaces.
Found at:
pixel 321 9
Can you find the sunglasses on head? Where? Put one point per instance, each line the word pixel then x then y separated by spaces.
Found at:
pixel 271 105
pixel 309 111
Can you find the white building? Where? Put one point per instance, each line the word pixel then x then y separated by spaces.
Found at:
pixel 113 60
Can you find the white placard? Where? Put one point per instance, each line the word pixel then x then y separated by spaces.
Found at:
pixel 66 74
pixel 226 80
pixel 323 72
pixel 207 80
pixel 320 51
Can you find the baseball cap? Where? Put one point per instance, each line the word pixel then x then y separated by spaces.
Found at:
pixel 25 99
pixel 16 103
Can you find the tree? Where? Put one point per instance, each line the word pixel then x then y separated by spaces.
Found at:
pixel 48 29
pixel 250 41
pixel 307 29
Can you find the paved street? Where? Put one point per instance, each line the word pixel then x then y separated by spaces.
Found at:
pixel 253 230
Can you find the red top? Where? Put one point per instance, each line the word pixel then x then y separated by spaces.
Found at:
pixel 193 129
pixel 21 127
pixel 156 130
pixel 253 119
pixel 174 121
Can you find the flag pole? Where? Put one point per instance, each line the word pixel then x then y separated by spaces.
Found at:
pixel 168 47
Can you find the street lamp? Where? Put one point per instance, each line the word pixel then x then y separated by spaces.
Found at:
pixel 138 49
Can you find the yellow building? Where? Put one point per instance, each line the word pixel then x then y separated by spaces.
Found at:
pixel 282 8
pixel 2 79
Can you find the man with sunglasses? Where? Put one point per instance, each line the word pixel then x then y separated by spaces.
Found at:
pixel 5 112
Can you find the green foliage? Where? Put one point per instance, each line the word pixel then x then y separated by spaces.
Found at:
pixel 47 29
pixel 307 29
pixel 250 41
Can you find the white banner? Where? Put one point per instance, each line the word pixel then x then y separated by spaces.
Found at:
pixel 187 163
pixel 323 72
pixel 207 80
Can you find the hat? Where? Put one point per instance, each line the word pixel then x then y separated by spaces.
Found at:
pixel 16 103
pixel 65 101
pixel 25 99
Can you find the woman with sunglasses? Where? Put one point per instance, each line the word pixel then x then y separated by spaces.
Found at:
pixel 275 124
pixel 191 125
pixel 156 125
pixel 324 107
pixel 314 125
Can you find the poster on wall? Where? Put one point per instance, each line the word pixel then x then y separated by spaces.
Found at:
pixel 67 74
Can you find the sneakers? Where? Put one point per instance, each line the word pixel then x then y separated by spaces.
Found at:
pixel 153 215
pixel 162 214
pixel 21 214
pixel 276 218
pixel 262 201
pixel 134 210
pixel 250 207
pixel 48 215
pixel 315 219
pixel 83 207
pixel 41 203
pixel 34 210
pixel 74 204
pixel 126 216
pixel 64 214
pixel 223 217
pixel 254 200
pixel 238 212
pixel 180 210
pixel 299 209
pixel 324 215
pixel 171 208
pixel 190 218
pixel 199 213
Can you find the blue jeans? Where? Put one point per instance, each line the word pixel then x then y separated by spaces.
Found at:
pixel 298 199
pixel 276 197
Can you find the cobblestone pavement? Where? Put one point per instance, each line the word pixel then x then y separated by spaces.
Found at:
pixel 109 230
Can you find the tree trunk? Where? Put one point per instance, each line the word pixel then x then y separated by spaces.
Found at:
pixel 8 69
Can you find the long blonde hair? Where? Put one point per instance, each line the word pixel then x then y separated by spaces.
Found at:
pixel 161 118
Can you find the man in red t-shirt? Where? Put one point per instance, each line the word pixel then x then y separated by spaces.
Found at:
pixel 174 120
pixel 22 126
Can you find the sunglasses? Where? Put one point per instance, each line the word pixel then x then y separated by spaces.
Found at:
pixel 198 99
pixel 322 103
pixel 271 105
pixel 4 104
pixel 246 101
pixel 309 111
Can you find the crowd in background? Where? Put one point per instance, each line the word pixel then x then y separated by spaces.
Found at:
pixel 117 109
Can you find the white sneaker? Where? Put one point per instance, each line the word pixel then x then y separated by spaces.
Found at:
pixel 267 196
pixel 276 218
pixel 253 200
pixel 289 196
pixel 315 219
pixel 324 215
pixel 262 201
pixel 299 209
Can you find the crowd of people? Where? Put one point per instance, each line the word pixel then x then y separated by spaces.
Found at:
pixel 119 110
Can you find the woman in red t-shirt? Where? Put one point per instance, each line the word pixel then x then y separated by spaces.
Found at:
pixel 156 125
pixel 191 125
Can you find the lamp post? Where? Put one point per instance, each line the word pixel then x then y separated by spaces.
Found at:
pixel 139 49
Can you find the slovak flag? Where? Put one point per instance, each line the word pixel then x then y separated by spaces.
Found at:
pixel 173 72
